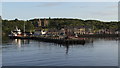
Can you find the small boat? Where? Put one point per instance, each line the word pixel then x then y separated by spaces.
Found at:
pixel 15 33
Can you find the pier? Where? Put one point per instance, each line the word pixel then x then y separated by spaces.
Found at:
pixel 63 40
pixel 60 40
pixel 52 39
pixel 99 35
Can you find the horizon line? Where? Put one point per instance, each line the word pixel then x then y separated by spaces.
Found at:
pixel 61 18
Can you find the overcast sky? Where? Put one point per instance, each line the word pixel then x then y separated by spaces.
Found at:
pixel 105 11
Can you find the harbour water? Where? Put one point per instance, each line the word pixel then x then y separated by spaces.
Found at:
pixel 95 52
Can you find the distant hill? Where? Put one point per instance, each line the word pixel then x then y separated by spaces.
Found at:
pixel 57 23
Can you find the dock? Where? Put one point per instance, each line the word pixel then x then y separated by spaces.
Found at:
pixel 52 39
pixel 64 40
pixel 60 40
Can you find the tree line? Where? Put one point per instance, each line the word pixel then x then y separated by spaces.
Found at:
pixel 57 23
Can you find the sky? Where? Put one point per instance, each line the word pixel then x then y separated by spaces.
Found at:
pixel 104 11
pixel 60 0
pixel 0 8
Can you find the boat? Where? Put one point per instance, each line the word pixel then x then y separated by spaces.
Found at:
pixel 17 34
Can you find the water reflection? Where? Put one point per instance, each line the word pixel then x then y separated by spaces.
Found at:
pixel 20 42
pixel 88 43
pixel 95 51
pixel 23 42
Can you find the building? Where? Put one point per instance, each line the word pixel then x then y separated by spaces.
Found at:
pixel 39 23
pixel 53 32
pixel 45 22
pixel 42 23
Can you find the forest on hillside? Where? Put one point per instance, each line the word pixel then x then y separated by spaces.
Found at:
pixel 57 23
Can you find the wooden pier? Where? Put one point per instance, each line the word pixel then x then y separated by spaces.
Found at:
pixel 60 40
pixel 99 35
pixel 52 39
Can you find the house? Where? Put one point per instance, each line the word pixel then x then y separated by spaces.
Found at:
pixel 53 32
pixel 80 30
pixel 62 31
pixel 37 32
pixel 69 30
pixel 40 32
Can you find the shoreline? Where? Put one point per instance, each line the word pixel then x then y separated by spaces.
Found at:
pixel 79 40
pixel 99 35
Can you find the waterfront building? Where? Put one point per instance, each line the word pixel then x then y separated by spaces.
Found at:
pixel 45 22
pixel 39 23
pixel 53 32
pixel 42 23
pixel 62 31
pixel 37 32
pixel 80 31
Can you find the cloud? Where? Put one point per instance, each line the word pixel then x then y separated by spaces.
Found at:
pixel 81 6
pixel 107 13
pixel 60 0
pixel 112 6
pixel 50 4
pixel 96 5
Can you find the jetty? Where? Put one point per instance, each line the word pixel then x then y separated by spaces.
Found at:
pixel 99 35
pixel 53 39
pixel 59 40
pixel 62 40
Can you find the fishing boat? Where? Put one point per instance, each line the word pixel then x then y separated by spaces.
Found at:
pixel 17 34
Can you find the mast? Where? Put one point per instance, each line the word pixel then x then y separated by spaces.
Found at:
pixel 24 28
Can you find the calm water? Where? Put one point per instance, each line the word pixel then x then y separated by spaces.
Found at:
pixel 95 52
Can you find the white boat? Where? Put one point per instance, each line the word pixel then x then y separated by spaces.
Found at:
pixel 43 32
pixel 15 33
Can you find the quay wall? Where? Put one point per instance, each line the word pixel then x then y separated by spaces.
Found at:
pixel 99 35
pixel 59 40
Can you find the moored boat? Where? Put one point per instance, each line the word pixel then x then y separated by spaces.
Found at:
pixel 17 34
